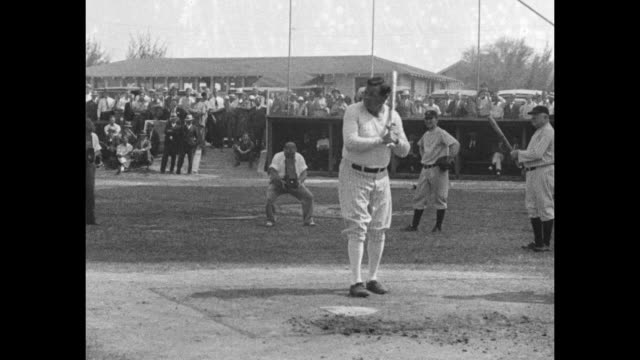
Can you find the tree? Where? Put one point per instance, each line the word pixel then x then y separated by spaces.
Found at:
pixel 509 64
pixel 143 47
pixel 95 55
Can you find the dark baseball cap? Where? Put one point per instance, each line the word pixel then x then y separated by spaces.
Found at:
pixel 539 110
pixel 430 114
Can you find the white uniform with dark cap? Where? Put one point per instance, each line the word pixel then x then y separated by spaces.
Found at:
pixel 433 182
pixel 538 160
pixel 364 192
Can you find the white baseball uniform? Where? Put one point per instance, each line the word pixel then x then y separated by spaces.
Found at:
pixel 538 160
pixel 365 197
pixel 433 182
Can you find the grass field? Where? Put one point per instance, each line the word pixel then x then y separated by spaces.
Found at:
pixel 177 224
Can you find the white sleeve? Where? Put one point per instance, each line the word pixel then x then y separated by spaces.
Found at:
pixel 302 165
pixel 276 161
pixel 353 141
pixel 95 142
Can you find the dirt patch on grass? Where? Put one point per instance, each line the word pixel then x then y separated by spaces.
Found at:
pixel 478 332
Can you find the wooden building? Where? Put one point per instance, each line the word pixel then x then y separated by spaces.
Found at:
pixel 345 73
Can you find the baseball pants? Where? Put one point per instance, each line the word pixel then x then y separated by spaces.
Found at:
pixel 497 160
pixel 433 183
pixel 539 193
pixel 365 202
pixel 301 193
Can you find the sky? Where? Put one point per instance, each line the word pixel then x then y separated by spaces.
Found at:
pixel 427 34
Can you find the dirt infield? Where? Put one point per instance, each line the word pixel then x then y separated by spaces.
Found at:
pixel 275 313
pixel 170 276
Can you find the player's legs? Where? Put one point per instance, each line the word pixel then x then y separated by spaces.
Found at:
pixel 497 162
pixel 306 198
pixel 532 211
pixel 272 194
pixel 353 193
pixel 381 210
pixel 545 202
pixel 440 181
pixel 421 196
pixel 420 199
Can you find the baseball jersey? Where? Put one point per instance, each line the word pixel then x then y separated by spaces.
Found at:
pixel 434 144
pixel 541 148
pixel 278 163
pixel 362 136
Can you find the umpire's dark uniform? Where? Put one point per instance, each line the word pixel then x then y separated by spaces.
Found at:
pixel 90 218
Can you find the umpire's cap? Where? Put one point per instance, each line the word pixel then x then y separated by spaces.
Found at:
pixel 539 110
pixel 430 114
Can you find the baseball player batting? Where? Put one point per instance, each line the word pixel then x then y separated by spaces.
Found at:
pixel 363 188
pixel 437 149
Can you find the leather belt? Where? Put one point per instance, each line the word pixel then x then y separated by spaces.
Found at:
pixel 429 166
pixel 368 170
pixel 536 167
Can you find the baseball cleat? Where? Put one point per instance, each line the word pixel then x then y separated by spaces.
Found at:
pixel 529 246
pixel 543 248
pixel 358 290
pixel 269 224
pixel 376 288
pixel 410 228
pixel 309 223
pixel 436 229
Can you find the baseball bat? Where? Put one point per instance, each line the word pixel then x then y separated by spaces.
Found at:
pixel 497 129
pixel 394 81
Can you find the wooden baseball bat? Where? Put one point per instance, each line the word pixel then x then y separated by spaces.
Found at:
pixel 394 79
pixel 497 129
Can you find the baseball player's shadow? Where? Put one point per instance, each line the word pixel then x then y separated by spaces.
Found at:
pixel 226 294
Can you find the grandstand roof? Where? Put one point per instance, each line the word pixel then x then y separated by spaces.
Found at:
pixel 303 68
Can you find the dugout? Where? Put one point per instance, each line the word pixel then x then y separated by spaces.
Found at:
pixel 472 162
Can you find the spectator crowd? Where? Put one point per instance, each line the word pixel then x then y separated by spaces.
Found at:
pixel 126 120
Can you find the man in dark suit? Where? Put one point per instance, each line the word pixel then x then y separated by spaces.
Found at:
pixel 154 137
pixel 91 107
pixel 171 134
pixel 511 110
pixel 190 139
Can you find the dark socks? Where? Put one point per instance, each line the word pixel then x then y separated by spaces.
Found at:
pixel 547 229
pixel 536 224
pixel 417 214
pixel 439 217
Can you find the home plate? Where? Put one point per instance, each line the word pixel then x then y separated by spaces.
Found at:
pixel 232 218
pixel 349 310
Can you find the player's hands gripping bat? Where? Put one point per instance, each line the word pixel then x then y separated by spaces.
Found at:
pixel 391 137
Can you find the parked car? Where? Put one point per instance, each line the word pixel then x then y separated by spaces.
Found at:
pixel 518 95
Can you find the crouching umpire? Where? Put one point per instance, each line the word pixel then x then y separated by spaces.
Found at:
pixel 287 173
pixel 437 149
pixel 538 162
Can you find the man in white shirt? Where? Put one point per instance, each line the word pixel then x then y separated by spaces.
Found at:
pixel 371 133
pixel 105 106
pixel 432 107
pixel 112 129
pixel 526 108
pixel 287 173
pixel 538 162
